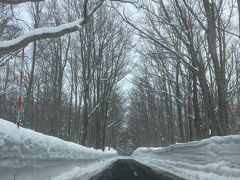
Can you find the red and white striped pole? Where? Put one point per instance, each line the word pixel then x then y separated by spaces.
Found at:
pixel 20 93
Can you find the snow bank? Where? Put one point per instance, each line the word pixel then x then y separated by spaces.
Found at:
pixel 24 153
pixel 26 143
pixel 213 158
pixel 85 174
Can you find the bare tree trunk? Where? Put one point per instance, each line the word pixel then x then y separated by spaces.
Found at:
pixel 219 66
pixel 5 89
pixel 29 109
pixel 238 2
pixel 197 119
pixel 179 108
pixel 85 116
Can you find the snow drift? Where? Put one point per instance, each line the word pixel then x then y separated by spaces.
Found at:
pixel 26 154
pixel 26 143
pixel 213 158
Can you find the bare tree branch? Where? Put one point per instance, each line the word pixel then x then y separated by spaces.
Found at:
pixel 182 57
pixel 17 1
pixel 49 32
pixel 126 1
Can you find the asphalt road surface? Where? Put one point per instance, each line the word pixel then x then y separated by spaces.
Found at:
pixel 128 169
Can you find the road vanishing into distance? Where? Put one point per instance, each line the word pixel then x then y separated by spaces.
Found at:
pixel 128 169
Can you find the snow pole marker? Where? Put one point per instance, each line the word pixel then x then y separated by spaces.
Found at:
pixel 20 99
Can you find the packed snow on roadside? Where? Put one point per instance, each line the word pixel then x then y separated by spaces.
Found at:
pixel 26 154
pixel 213 158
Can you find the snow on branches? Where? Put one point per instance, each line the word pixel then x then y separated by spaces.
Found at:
pixel 17 1
pixel 47 32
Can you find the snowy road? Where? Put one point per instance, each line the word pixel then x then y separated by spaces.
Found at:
pixel 129 169
pixel 29 155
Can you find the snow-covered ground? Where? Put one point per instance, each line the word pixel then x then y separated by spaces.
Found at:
pixel 214 158
pixel 26 154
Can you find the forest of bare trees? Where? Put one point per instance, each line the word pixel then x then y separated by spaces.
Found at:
pixel 71 82
pixel 79 54
pixel 187 85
